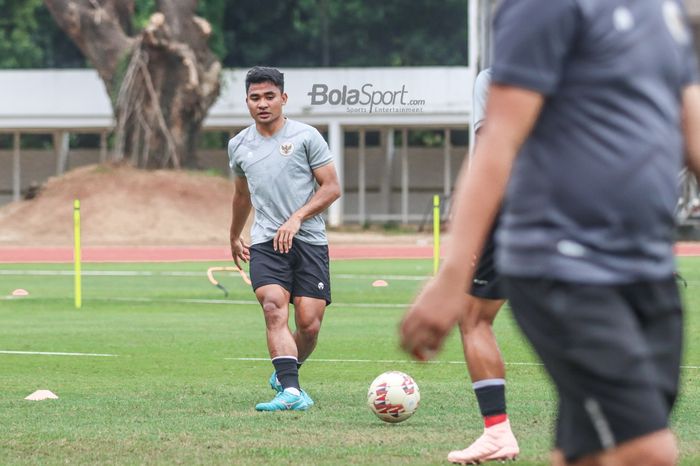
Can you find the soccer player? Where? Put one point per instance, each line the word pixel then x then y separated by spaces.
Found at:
pixel 278 163
pixel 484 361
pixel 591 106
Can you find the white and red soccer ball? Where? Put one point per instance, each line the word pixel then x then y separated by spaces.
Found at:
pixel 393 396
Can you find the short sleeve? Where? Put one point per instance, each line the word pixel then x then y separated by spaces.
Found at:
pixel 317 150
pixel 232 160
pixel 481 92
pixel 532 39
pixel 691 75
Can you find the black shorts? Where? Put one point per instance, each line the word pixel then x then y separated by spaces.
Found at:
pixel 303 271
pixel 487 282
pixel 613 352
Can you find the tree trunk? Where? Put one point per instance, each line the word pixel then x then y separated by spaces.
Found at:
pixel 162 81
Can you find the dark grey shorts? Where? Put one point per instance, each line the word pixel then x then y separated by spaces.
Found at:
pixel 303 271
pixel 613 352
pixel 487 282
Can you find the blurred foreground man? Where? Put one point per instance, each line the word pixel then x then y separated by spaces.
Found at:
pixel 592 106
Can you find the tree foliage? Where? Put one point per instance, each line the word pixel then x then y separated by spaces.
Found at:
pixel 290 33
pixel 18 29
pixel 162 77
pixel 352 32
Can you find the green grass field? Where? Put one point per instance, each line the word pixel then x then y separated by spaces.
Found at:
pixel 189 366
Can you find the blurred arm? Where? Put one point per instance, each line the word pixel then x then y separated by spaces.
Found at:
pixel 510 116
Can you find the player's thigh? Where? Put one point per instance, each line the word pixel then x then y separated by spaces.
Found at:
pixel 592 345
pixel 270 267
pixel 311 270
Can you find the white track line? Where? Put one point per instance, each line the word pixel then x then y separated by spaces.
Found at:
pixel 240 302
pixel 404 361
pixel 384 361
pixel 133 273
pixel 100 273
pixel 385 277
pixel 49 353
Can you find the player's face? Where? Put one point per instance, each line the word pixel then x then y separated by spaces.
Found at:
pixel 265 101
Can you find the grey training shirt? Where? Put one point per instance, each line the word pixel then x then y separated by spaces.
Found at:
pixel 593 189
pixel 279 171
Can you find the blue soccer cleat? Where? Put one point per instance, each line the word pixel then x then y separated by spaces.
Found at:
pixel 284 401
pixel 275 383
pixel 308 399
pixel 277 386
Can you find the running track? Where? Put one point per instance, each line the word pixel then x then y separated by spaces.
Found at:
pixel 186 253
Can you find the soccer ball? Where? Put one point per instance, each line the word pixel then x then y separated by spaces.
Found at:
pixel 393 396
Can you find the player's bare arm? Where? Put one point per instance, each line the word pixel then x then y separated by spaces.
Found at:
pixel 511 114
pixel 240 209
pixel 691 127
pixel 328 191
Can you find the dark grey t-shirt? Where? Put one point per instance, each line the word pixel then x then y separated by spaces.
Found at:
pixel 593 189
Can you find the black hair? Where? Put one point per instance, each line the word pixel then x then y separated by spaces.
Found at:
pixel 263 74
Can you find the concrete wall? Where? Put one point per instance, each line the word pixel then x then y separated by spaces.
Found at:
pixel 425 170
pixel 37 166
pixel 425 179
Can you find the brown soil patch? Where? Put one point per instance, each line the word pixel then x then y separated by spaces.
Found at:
pixel 121 205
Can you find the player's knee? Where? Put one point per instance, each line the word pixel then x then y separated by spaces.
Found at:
pixel 657 449
pixel 466 323
pixel 274 313
pixel 557 458
pixel 476 329
pixel 310 329
pixel 665 454
pixel 470 318
pixel 478 313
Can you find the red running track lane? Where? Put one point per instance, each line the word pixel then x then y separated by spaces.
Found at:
pixel 183 254
pixel 187 253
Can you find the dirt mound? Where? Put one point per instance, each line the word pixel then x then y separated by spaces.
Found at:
pixel 122 205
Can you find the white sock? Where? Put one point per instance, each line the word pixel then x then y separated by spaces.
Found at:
pixel 293 391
